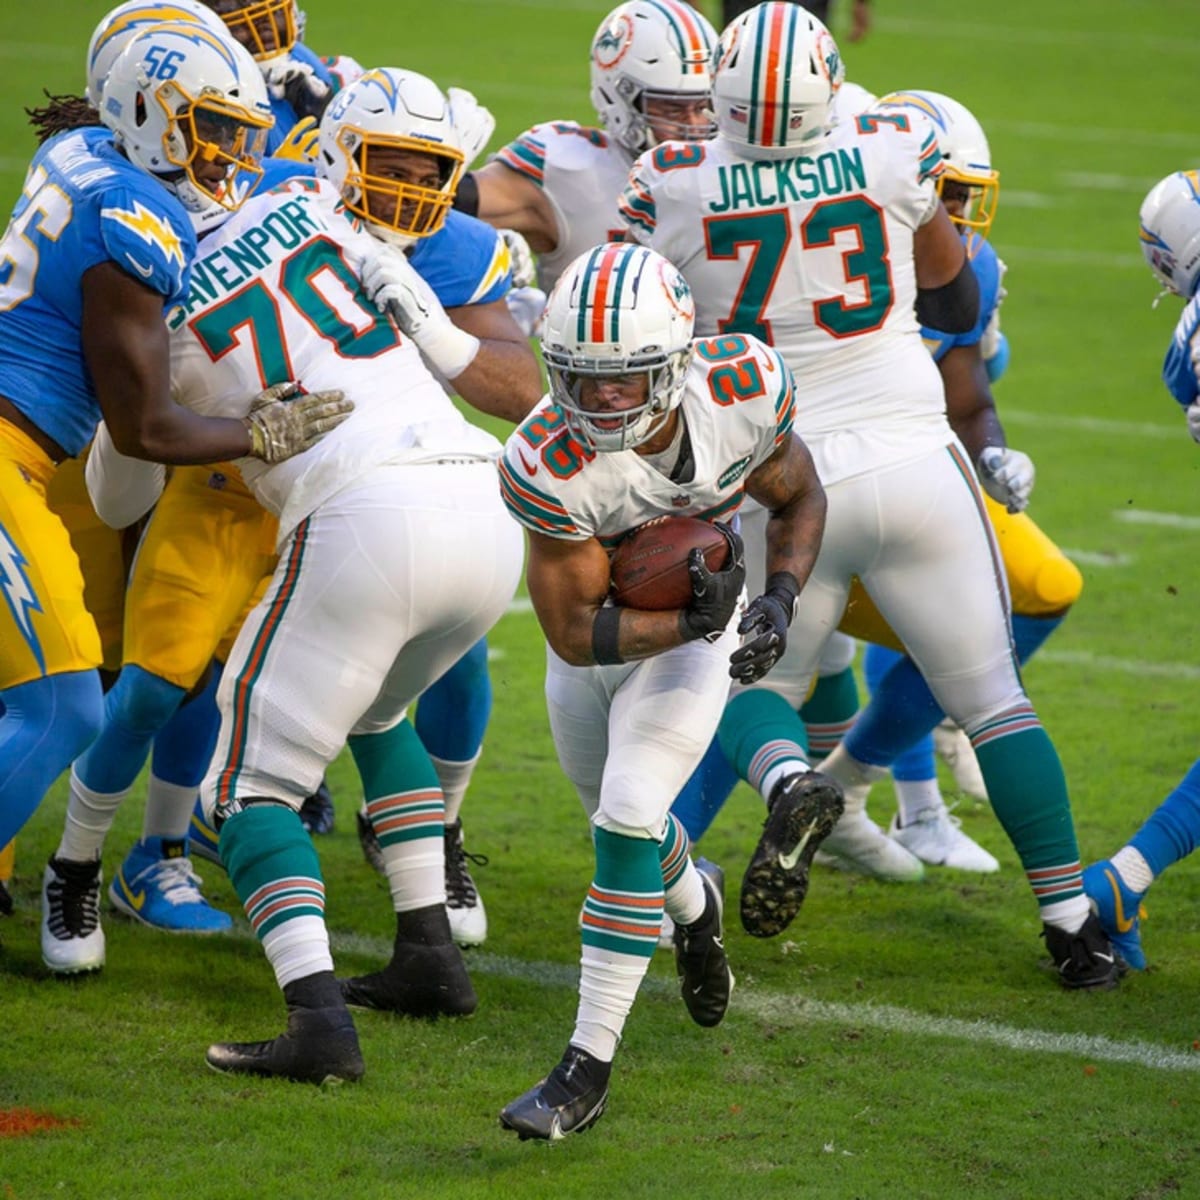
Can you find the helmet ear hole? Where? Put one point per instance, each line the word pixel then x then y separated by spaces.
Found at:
pixel 139 110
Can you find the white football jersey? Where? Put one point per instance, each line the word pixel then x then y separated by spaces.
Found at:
pixel 738 409
pixel 812 255
pixel 582 172
pixel 275 296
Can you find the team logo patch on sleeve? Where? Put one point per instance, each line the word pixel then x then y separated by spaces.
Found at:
pixel 151 228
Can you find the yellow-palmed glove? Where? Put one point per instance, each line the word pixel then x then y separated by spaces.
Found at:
pixel 302 142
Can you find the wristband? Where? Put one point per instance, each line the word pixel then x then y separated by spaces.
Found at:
pixel 606 632
pixel 450 349
pixel 784 586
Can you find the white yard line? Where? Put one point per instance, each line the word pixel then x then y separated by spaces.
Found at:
pixel 1164 520
pixel 797 1009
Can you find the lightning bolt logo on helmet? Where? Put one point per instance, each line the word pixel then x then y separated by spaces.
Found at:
pixel 19 594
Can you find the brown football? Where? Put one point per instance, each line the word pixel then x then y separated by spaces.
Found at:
pixel 649 568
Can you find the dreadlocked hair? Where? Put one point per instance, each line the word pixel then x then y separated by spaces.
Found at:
pixel 62 114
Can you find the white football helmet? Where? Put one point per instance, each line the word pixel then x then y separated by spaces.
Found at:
pixel 618 310
pixel 1170 232
pixel 775 74
pixel 965 154
pixel 390 110
pixel 650 50
pixel 117 26
pixel 183 102
pixel 267 28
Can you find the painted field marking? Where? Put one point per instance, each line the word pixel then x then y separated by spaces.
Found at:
pixel 1164 520
pixel 797 1009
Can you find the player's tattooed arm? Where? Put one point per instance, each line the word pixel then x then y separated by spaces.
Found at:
pixel 787 485
pixel 568 583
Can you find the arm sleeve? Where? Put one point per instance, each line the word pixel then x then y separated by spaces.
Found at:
pixel 122 489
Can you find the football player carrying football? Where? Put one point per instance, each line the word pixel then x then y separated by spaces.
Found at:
pixel 641 421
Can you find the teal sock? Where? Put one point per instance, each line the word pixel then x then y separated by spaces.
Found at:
pixel 1028 793
pixel 763 738
pixel 403 796
pixel 273 866
pixel 624 906
pixel 830 711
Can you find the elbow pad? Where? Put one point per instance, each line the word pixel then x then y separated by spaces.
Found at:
pixel 466 199
pixel 953 307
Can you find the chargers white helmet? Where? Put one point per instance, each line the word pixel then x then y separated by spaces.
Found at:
pixel 775 73
pixel 267 28
pixel 117 26
pixel 189 106
pixel 650 50
pixel 965 154
pixel 618 310
pixel 390 110
pixel 849 100
pixel 1170 232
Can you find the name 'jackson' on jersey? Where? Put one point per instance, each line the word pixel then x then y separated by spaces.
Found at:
pixel 810 254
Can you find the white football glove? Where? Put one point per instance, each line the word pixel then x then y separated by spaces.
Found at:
pixel 297 83
pixel 521 264
pixel 283 420
pixel 395 287
pixel 1007 476
pixel 526 306
pixel 474 123
pixel 1193 420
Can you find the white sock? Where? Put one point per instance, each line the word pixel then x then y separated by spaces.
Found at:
pixel 297 948
pixel 685 899
pixel 416 873
pixel 1134 870
pixel 1068 915
pixel 917 796
pixel 608 984
pixel 168 809
pixel 89 818
pixel 784 770
pixel 455 778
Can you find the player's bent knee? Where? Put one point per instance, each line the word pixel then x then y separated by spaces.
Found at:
pixel 141 702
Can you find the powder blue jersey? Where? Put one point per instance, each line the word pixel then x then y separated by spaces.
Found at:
pixel 1182 365
pixel 83 203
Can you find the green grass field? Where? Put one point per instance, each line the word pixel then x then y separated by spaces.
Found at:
pixel 899 1041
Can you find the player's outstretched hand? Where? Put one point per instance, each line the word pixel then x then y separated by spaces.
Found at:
pixel 284 421
pixel 1007 476
pixel 715 594
pixel 298 84
pixel 474 123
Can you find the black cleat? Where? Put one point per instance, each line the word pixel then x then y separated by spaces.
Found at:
pixel 320 1046
pixel 372 850
pixel 705 980
pixel 804 809
pixel 316 813
pixel 420 981
pixel 1085 959
pixel 6 900
pixel 570 1099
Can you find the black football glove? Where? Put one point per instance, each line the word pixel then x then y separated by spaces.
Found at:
pixel 766 624
pixel 715 594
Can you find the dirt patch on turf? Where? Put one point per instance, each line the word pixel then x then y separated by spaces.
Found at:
pixel 20 1122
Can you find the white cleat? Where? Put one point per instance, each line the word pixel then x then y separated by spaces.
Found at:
pixel 666 932
pixel 935 836
pixel 464 907
pixel 72 939
pixel 858 844
pixel 955 750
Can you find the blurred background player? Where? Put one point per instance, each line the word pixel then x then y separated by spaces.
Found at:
pixel 1170 240
pixel 102 239
pixel 905 511
pixel 641 423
